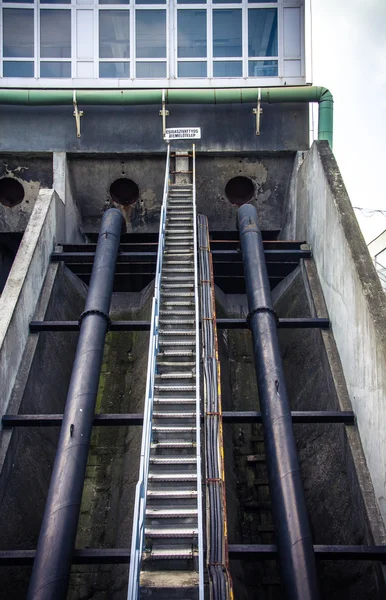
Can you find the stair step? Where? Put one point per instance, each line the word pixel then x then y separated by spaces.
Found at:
pixel 167 445
pixel 176 374
pixel 177 343
pixel 162 387
pixel 178 322
pixel 187 332
pixel 168 401
pixel 174 460
pixel 175 364
pixel 179 295
pixel 170 415
pixel 172 554
pixel 177 285
pixel 170 477
pixel 171 513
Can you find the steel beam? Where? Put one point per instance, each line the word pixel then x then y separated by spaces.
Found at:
pixel 293 534
pixel 126 419
pixel 52 566
pixel 252 552
pixel 307 323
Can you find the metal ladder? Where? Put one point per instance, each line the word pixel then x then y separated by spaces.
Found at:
pixel 171 555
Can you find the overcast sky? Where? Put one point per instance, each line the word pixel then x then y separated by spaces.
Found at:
pixel 349 58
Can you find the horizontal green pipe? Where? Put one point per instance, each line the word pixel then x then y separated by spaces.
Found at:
pixel 182 96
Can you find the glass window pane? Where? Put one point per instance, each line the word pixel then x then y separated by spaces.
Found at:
pixel 227 33
pixel 18 32
pixel 228 68
pixel 263 1
pixel 55 69
pixel 192 69
pixel 191 33
pixel 19 1
pixel 195 1
pixel 13 68
pixel 226 1
pixel 151 69
pixel 151 33
pixel 55 1
pixel 114 27
pixel 262 68
pixel 114 69
pixel 55 34
pixel 262 32
pixel 150 1
pixel 113 1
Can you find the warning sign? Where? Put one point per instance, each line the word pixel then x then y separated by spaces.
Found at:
pixel 183 133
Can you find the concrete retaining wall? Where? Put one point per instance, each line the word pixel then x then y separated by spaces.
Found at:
pixel 320 212
pixel 23 287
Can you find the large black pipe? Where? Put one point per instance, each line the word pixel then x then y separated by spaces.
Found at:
pixel 51 571
pixel 293 535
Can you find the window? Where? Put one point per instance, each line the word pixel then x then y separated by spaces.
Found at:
pixel 152 42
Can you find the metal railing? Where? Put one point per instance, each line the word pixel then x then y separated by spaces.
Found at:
pixel 198 403
pixel 137 541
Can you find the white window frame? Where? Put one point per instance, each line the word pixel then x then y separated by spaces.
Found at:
pixel 171 81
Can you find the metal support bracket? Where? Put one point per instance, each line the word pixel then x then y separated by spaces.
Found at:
pixel 163 113
pixel 77 114
pixel 258 111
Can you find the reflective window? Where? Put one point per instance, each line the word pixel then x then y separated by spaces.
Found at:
pixel 114 70
pixel 13 68
pixel 150 33
pixel 192 69
pixel 151 69
pixel 55 33
pixel 263 68
pixel 262 32
pixel 191 25
pixel 18 32
pixel 55 69
pixel 227 68
pixel 227 33
pixel 114 31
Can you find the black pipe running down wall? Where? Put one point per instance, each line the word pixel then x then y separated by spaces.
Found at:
pixel 293 535
pixel 52 565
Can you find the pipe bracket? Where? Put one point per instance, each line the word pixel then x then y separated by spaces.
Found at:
pixel 95 312
pixel 77 114
pixel 261 309
pixel 258 111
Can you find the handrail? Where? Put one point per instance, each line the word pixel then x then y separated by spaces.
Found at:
pixel 138 535
pixel 198 404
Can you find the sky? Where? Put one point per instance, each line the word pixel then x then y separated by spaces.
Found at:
pixel 349 58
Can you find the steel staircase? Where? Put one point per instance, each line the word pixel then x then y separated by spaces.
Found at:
pixel 169 548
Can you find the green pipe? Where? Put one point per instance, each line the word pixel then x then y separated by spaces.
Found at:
pixel 182 96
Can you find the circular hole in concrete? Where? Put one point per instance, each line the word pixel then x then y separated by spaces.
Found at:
pixel 239 190
pixel 11 191
pixel 124 191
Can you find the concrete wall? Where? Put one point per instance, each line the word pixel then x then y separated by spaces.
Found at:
pixel 139 128
pixel 23 286
pixel 92 177
pixel 322 214
pixel 32 172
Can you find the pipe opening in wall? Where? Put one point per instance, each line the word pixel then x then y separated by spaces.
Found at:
pixel 124 191
pixel 11 192
pixel 239 190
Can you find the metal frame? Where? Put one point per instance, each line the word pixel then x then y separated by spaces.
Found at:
pixel 138 532
pixel 198 387
pixel 171 59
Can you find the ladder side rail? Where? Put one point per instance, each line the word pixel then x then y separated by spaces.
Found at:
pixel 141 488
pixel 198 404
